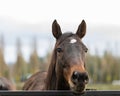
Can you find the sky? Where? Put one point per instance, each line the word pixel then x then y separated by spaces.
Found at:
pixel 35 11
pixel 23 18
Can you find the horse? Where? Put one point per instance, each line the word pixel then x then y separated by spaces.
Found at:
pixel 35 82
pixel 67 69
pixel 6 84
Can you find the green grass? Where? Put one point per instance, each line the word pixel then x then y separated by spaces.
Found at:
pixel 19 86
pixel 103 87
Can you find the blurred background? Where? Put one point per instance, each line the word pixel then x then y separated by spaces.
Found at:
pixel 26 40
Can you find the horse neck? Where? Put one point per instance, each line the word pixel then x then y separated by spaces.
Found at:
pixel 51 75
pixel 53 80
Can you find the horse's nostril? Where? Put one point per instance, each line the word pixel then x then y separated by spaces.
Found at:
pixel 78 77
pixel 86 78
pixel 75 75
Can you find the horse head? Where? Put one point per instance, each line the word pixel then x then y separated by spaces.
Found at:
pixel 67 70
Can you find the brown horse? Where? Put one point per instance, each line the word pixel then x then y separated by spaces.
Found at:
pixel 35 82
pixel 6 84
pixel 67 68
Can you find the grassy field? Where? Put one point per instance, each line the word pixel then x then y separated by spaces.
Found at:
pixel 103 87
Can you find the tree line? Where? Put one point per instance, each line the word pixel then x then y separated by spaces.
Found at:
pixel 101 69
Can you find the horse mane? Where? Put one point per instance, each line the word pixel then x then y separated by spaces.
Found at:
pixel 51 79
pixel 51 76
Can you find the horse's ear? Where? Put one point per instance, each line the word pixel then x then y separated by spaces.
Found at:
pixel 81 31
pixel 56 30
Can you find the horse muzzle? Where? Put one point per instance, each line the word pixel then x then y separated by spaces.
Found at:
pixel 79 81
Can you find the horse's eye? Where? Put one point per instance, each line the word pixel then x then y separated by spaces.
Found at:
pixel 59 50
pixel 86 50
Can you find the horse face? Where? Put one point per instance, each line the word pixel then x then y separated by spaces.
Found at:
pixel 71 56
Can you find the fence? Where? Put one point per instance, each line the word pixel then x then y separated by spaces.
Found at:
pixel 58 93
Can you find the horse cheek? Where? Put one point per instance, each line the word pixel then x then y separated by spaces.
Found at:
pixel 67 73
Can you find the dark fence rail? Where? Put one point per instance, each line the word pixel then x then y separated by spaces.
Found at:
pixel 58 93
